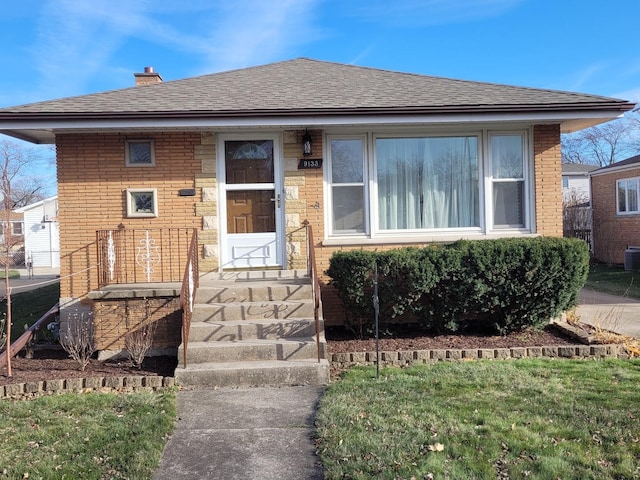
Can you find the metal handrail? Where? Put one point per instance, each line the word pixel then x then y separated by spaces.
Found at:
pixel 313 274
pixel 20 343
pixel 190 283
pixel 130 255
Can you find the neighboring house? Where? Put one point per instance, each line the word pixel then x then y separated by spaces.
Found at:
pixel 11 238
pixel 615 200
pixel 576 188
pixel 371 158
pixel 41 233
pixel 576 198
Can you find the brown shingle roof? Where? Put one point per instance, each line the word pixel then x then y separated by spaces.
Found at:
pixel 305 86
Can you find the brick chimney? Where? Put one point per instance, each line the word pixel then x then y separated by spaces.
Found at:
pixel 148 77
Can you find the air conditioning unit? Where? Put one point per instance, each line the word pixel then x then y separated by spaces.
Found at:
pixel 632 258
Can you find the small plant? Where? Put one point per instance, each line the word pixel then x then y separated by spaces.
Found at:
pixel 141 330
pixel 78 339
pixel 139 342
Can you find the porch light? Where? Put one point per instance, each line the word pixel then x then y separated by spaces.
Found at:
pixel 306 143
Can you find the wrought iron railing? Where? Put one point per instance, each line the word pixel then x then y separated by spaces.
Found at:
pixel 142 256
pixel 190 282
pixel 313 274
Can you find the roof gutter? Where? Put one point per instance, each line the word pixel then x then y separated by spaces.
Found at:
pixel 450 109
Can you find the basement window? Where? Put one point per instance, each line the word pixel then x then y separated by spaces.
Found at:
pixel 142 202
pixel 140 153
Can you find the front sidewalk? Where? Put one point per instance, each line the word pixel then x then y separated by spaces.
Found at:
pixel 609 312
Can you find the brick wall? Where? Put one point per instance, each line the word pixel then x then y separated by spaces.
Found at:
pixel 548 179
pixel 612 233
pixel 92 179
pixel 113 319
pixel 92 166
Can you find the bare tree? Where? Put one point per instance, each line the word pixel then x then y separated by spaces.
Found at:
pixel 603 144
pixel 15 163
pixel 79 340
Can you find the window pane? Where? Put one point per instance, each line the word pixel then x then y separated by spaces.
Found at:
pixel 251 211
pixel 508 204
pixel 348 209
pixel 506 156
pixel 632 192
pixel 140 153
pixel 249 161
pixel 622 196
pixel 427 182
pixel 346 161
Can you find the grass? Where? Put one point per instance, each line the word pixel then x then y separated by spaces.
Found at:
pixel 28 307
pixel 614 279
pixel 530 419
pixel 12 274
pixel 88 436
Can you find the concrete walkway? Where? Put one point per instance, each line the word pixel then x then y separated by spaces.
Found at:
pixel 248 433
pixel 40 277
pixel 610 312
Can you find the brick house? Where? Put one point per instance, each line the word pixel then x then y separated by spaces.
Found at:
pixel 370 158
pixel 615 200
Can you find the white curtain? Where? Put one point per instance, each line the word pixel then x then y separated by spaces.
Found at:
pixel 426 183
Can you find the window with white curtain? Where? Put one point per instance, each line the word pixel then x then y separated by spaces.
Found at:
pixel 507 168
pixel 388 185
pixel 628 195
pixel 427 183
pixel 347 185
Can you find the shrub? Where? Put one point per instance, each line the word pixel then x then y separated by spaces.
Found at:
pixel 500 285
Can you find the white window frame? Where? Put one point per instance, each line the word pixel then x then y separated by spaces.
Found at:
pixel 527 197
pixel 373 198
pixel 152 151
pixel 365 186
pixel 373 234
pixel 13 229
pixel 626 196
pixel 131 202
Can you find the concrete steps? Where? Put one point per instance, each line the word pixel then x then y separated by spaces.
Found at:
pixel 253 328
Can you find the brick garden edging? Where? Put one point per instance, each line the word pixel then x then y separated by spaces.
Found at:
pixel 82 385
pixel 418 357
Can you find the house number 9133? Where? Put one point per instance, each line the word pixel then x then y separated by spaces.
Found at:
pixel 308 163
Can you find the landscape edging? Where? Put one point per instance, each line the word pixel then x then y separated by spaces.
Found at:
pixel 405 358
pixel 131 383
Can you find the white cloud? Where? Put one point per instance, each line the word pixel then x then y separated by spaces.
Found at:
pixel 254 32
pixel 78 40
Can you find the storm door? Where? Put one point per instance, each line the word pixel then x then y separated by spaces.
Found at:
pixel 251 203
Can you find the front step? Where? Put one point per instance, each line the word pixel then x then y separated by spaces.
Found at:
pixel 254 374
pixel 252 311
pixel 235 330
pixel 253 350
pixel 254 328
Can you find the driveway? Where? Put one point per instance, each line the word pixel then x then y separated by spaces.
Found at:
pixel 40 278
pixel 610 312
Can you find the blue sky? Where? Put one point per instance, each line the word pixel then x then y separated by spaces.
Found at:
pixel 58 48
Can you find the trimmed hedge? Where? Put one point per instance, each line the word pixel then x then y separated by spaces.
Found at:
pixel 502 285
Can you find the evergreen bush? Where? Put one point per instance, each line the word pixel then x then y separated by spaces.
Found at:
pixel 501 285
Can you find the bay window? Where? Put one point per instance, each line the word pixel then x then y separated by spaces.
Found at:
pixel 442 185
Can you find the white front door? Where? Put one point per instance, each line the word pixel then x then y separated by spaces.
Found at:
pixel 251 201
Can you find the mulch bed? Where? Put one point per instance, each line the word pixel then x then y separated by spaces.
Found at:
pixel 52 364
pixel 397 338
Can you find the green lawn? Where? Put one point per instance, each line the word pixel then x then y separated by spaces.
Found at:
pixel 543 419
pixel 614 279
pixel 28 307
pixel 88 436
